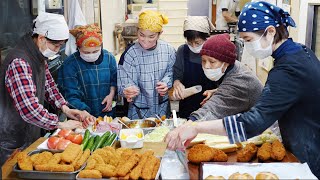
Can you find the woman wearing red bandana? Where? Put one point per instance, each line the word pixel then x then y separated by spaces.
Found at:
pixel 88 78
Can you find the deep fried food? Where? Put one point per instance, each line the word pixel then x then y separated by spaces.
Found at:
pixel 54 168
pixel 71 152
pixel 240 176
pixel 278 151
pixel 74 162
pixel 264 152
pixel 219 155
pixel 110 148
pixel 247 153
pixel 98 158
pixel 55 159
pixel 200 153
pixel 91 163
pixel 34 157
pixel 108 155
pixel 106 170
pixel 147 170
pixel 82 159
pixel 215 177
pixel 266 175
pixel 24 161
pixel 125 155
pixel 155 169
pixel 128 165
pixel 42 158
pixel 95 174
pixel 136 172
pixel 120 150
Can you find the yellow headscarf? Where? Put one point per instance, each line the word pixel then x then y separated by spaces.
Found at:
pixel 152 21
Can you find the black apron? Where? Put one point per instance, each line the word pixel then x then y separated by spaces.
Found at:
pixel 15 132
pixel 193 75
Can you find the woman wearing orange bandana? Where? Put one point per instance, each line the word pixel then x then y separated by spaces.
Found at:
pixel 88 78
pixel 145 69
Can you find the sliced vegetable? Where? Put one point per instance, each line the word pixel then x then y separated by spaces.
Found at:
pixel 85 139
pixel 102 140
pixel 96 141
pixel 90 143
pixel 110 140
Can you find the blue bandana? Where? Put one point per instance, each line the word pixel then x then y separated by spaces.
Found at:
pixel 259 15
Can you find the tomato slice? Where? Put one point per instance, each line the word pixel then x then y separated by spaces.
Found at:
pixel 75 138
pixel 65 132
pixel 53 141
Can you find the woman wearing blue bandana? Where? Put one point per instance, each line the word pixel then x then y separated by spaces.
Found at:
pixel 291 94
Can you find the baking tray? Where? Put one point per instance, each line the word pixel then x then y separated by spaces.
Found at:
pixel 225 169
pixel 43 174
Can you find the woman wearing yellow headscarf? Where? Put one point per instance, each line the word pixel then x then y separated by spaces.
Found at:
pixel 88 78
pixel 145 69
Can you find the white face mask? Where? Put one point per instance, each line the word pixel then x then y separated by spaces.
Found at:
pixel 254 49
pixel 90 57
pixel 214 74
pixel 196 49
pixel 48 52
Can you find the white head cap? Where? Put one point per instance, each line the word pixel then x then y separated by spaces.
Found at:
pixel 52 26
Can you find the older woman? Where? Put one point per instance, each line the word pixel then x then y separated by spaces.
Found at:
pixel 145 69
pixel 187 70
pixel 88 78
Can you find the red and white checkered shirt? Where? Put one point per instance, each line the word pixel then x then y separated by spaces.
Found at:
pixel 22 89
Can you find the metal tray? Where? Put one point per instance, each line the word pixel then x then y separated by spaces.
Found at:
pixel 43 174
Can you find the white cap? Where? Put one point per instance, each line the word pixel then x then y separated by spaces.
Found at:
pixel 52 26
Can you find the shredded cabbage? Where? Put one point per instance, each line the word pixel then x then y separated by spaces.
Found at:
pixel 157 135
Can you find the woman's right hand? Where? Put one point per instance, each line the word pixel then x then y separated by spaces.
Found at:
pixel 131 92
pixel 178 90
pixel 70 124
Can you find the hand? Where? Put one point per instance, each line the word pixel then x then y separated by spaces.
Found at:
pixel 87 119
pixel 178 90
pixel 131 92
pixel 70 124
pixel 208 94
pixel 162 88
pixel 108 101
pixel 71 113
pixel 181 137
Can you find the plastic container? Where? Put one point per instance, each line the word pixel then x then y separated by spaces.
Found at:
pixel 131 138
pixel 167 4
pixel 174 12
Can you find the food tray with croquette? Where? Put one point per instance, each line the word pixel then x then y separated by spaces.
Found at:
pixel 109 163
pixel 49 164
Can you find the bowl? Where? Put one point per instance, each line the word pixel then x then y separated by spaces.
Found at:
pixel 131 138
pixel 140 1
pixel 140 124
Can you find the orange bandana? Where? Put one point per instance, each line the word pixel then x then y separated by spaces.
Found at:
pixel 87 36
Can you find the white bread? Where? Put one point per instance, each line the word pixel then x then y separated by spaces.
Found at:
pixel 266 175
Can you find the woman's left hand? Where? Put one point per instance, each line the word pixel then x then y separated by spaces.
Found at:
pixel 208 94
pixel 82 116
pixel 108 101
pixel 162 88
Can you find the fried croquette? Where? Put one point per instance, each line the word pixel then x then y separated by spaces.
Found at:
pixel 125 155
pixel 98 158
pixel 200 153
pixel 71 152
pixel 128 165
pixel 264 152
pixel 278 151
pixel 247 153
pixel 136 172
pixel 147 170
pixel 55 159
pixel 24 161
pixel 108 155
pixel 82 159
pixel 106 170
pixel 94 174
pixel 34 157
pixel 219 155
pixel 237 175
pixel 42 158
pixel 155 169
pixel 91 163
pixel 74 162
pixel 54 168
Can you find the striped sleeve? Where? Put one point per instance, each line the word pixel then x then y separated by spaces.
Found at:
pixel 235 130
